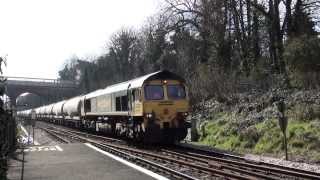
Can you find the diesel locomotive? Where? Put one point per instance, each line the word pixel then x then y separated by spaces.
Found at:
pixel 152 108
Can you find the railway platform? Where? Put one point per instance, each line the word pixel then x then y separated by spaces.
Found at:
pixel 73 162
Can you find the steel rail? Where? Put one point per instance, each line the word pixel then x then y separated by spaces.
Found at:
pixel 108 139
pixel 223 166
pixel 56 136
pixel 133 157
pixel 307 175
pixel 294 170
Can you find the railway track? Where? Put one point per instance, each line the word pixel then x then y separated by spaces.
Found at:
pixel 185 163
pixel 56 136
pixel 234 159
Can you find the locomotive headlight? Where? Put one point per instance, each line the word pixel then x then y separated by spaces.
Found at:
pixel 149 115
pixel 183 114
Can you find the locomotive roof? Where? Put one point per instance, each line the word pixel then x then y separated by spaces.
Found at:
pixel 134 83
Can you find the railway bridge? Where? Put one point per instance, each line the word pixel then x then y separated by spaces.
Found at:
pixel 49 90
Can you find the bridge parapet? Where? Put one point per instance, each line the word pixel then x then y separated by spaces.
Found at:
pixel 24 81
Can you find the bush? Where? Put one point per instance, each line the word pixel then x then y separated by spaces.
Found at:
pixel 249 137
pixel 271 137
pixel 305 112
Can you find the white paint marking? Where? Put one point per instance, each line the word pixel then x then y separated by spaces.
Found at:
pixel 139 168
pixel 43 148
pixel 59 148
pixel 34 149
pixel 52 148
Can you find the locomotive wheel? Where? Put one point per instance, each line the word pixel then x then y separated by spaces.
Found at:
pixel 138 133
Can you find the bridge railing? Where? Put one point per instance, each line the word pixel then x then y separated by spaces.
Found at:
pixel 39 81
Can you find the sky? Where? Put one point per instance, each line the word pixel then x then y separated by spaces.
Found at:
pixel 38 36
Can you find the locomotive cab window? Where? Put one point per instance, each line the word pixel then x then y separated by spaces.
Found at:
pixel 153 92
pixel 176 91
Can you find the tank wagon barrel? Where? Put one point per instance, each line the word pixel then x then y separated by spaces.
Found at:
pixel 57 108
pixel 72 107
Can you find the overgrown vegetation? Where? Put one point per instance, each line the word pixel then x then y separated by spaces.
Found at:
pixel 226 131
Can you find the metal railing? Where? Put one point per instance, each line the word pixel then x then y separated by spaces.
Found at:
pixel 11 80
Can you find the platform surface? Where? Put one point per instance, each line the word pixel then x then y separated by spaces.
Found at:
pixel 72 162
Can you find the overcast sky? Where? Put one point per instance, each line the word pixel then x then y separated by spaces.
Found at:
pixel 39 35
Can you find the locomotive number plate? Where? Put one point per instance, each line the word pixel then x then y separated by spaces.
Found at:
pixel 165 103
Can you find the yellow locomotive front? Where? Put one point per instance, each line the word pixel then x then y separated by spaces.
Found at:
pixel 165 108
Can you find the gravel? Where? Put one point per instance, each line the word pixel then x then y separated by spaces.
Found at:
pixel 282 162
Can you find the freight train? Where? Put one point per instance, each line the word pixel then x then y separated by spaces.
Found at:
pixel 152 109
